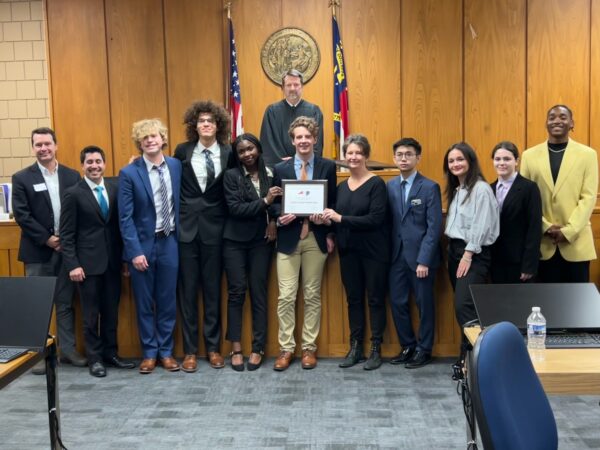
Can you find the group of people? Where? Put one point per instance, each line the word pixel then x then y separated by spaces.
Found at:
pixel 179 222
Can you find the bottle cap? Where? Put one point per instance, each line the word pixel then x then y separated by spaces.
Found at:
pixel 535 309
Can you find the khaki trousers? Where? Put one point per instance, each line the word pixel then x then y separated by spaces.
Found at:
pixel 311 260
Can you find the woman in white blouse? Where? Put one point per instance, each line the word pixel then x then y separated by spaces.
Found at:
pixel 472 226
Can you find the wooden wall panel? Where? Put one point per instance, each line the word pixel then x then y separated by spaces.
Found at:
pixel 258 91
pixel 595 76
pixel 79 79
pixel 432 110
pixel 494 38
pixel 371 37
pixel 194 57
pixel 432 89
pixel 558 64
pixel 136 67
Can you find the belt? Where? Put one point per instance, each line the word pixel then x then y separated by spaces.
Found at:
pixel 161 234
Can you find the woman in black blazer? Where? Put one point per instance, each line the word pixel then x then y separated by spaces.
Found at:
pixel 248 245
pixel 516 252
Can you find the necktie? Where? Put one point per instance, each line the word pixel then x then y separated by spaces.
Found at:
pixel 500 194
pixel 210 167
pixel 165 208
pixel 305 224
pixel 403 197
pixel 102 201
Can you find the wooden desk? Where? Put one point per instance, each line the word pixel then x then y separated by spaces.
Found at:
pixel 14 369
pixel 573 371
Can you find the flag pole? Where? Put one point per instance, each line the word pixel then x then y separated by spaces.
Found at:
pixel 333 4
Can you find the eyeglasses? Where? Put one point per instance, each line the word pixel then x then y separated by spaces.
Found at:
pixel 407 155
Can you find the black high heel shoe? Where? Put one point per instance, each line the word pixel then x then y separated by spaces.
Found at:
pixel 252 366
pixel 237 367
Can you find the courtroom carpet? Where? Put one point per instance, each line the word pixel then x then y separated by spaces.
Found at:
pixel 326 408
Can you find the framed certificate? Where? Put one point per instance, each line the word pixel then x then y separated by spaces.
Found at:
pixel 303 198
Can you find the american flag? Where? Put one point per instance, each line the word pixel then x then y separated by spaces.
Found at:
pixel 340 89
pixel 235 96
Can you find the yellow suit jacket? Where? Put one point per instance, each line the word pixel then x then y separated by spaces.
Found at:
pixel 570 201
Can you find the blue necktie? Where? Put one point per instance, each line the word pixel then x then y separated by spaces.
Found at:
pixel 102 201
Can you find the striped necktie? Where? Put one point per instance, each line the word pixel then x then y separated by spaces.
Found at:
pixel 165 208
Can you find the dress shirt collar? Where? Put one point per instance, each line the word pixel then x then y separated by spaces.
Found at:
pixel 507 183
pixel 93 185
pixel 214 149
pixel 298 162
pixel 150 165
pixel 292 106
pixel 45 171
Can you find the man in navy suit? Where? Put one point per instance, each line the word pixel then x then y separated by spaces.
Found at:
pixel 91 241
pixel 416 206
pixel 38 191
pixel 302 243
pixel 149 220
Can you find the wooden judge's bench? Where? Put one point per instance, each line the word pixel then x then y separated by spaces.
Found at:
pixel 335 333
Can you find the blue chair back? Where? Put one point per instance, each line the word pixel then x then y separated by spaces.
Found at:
pixel 511 407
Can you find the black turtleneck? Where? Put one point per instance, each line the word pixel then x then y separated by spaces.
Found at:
pixel 556 152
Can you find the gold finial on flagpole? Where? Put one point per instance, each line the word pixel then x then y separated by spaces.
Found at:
pixel 334 4
pixel 228 7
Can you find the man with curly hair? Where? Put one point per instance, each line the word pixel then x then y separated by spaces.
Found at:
pixel 205 157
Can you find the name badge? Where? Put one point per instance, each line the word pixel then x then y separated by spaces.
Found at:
pixel 40 187
pixel 415 201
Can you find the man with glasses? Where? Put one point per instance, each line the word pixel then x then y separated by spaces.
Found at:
pixel 205 158
pixel 416 206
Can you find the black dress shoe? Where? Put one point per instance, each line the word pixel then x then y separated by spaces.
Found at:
pixel 119 363
pixel 98 370
pixel 74 358
pixel 420 359
pixel 404 356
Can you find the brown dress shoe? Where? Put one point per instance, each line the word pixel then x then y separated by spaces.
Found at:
pixel 215 360
pixel 169 363
pixel 309 359
pixel 189 364
pixel 147 365
pixel 283 361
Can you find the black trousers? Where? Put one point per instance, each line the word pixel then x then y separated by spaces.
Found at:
pixel 100 303
pixel 200 265
pixel 559 270
pixel 360 274
pixel 478 274
pixel 247 264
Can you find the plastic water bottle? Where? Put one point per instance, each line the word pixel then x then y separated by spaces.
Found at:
pixel 536 334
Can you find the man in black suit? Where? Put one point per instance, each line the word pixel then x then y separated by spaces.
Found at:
pixel 38 192
pixel 204 157
pixel 302 243
pixel 91 241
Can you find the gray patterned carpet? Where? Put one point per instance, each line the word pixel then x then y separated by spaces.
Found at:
pixel 325 408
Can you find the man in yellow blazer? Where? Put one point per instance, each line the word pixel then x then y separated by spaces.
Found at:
pixel 567 174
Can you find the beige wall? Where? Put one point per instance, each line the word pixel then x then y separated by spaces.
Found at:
pixel 23 82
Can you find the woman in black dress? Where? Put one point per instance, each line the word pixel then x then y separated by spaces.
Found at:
pixel 248 245
pixel 362 234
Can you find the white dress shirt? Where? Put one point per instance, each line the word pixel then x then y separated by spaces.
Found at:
pixel 51 179
pixel 199 162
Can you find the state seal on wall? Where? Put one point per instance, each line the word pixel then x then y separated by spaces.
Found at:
pixel 290 48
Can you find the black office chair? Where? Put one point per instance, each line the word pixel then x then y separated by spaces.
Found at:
pixel 511 407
